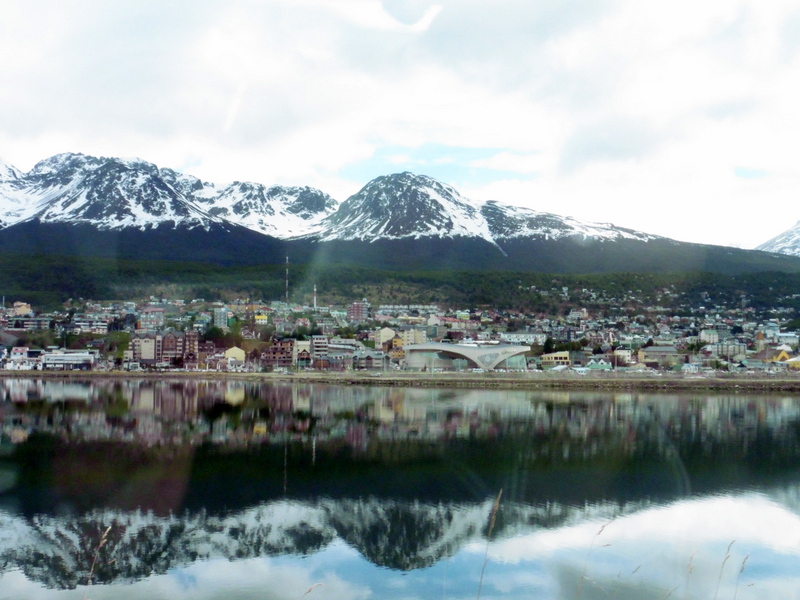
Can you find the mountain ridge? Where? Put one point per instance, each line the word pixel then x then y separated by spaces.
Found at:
pixel 787 242
pixel 78 205
pixel 115 193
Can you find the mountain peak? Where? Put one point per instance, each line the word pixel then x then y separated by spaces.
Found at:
pixel 787 242
pixel 405 205
pixel 8 171
pixel 119 193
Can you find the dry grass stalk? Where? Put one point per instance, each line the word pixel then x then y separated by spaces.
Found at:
pixel 588 554
pixel 492 520
pixel 308 591
pixel 100 544
pixel 741 570
pixel 689 570
pixel 722 567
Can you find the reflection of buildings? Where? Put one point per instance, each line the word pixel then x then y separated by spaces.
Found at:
pixel 170 410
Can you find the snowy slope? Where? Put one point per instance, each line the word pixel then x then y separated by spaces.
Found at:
pixel 787 242
pixel 405 205
pixel 506 222
pixel 109 193
pixel 277 211
pixel 8 171
pixel 114 193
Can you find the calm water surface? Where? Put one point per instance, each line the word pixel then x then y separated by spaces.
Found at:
pixel 191 489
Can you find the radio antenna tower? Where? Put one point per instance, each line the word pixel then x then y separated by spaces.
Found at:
pixel 287 279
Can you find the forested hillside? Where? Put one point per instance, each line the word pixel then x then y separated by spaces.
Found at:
pixel 48 280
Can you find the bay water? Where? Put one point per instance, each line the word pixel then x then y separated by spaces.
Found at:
pixel 171 488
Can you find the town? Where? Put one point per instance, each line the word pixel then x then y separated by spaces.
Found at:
pixel 591 332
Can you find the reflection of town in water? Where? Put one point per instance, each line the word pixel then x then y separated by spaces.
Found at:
pixel 244 413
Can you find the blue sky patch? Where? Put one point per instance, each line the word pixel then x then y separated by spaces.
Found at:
pixel 450 164
pixel 746 173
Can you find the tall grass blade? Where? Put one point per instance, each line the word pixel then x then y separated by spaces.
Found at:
pixel 492 520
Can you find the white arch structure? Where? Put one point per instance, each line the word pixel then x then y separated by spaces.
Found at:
pixel 439 355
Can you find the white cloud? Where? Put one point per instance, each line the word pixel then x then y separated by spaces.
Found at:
pixel 511 161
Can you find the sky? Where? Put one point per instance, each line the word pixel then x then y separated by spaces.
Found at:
pixel 679 119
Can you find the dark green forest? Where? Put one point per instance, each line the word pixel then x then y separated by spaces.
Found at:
pixel 47 281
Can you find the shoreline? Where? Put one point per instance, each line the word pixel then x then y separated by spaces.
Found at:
pixel 734 382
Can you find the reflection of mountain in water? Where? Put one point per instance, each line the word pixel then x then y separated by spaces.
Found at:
pixel 58 551
pixel 404 516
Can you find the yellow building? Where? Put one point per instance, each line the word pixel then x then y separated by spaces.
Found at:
pixel 556 359
pixel 235 354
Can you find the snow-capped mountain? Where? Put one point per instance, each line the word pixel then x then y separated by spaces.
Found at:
pixel 279 211
pixel 405 205
pixel 114 193
pixel 107 193
pixel 508 222
pixel 77 205
pixel 7 171
pixel 787 242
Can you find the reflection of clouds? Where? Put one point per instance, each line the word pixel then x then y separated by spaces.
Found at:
pixel 260 578
pixel 752 519
pixel 646 554
pixel 641 554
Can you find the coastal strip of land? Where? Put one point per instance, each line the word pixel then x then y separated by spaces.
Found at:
pixel 728 382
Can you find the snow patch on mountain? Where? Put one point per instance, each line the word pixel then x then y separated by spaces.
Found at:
pixel 8 171
pixel 507 222
pixel 277 211
pixel 787 242
pixel 118 193
pixel 404 205
pixel 108 193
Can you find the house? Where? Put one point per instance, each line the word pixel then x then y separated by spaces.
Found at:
pixel 709 336
pixel 369 359
pixel 412 335
pixel 235 358
pixel 319 346
pixel 235 353
pixel 382 335
pixel 598 363
pixel 394 349
pixel 279 354
pixel 664 356
pixel 151 317
pixel 769 355
pixel 555 359
pixel 303 358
